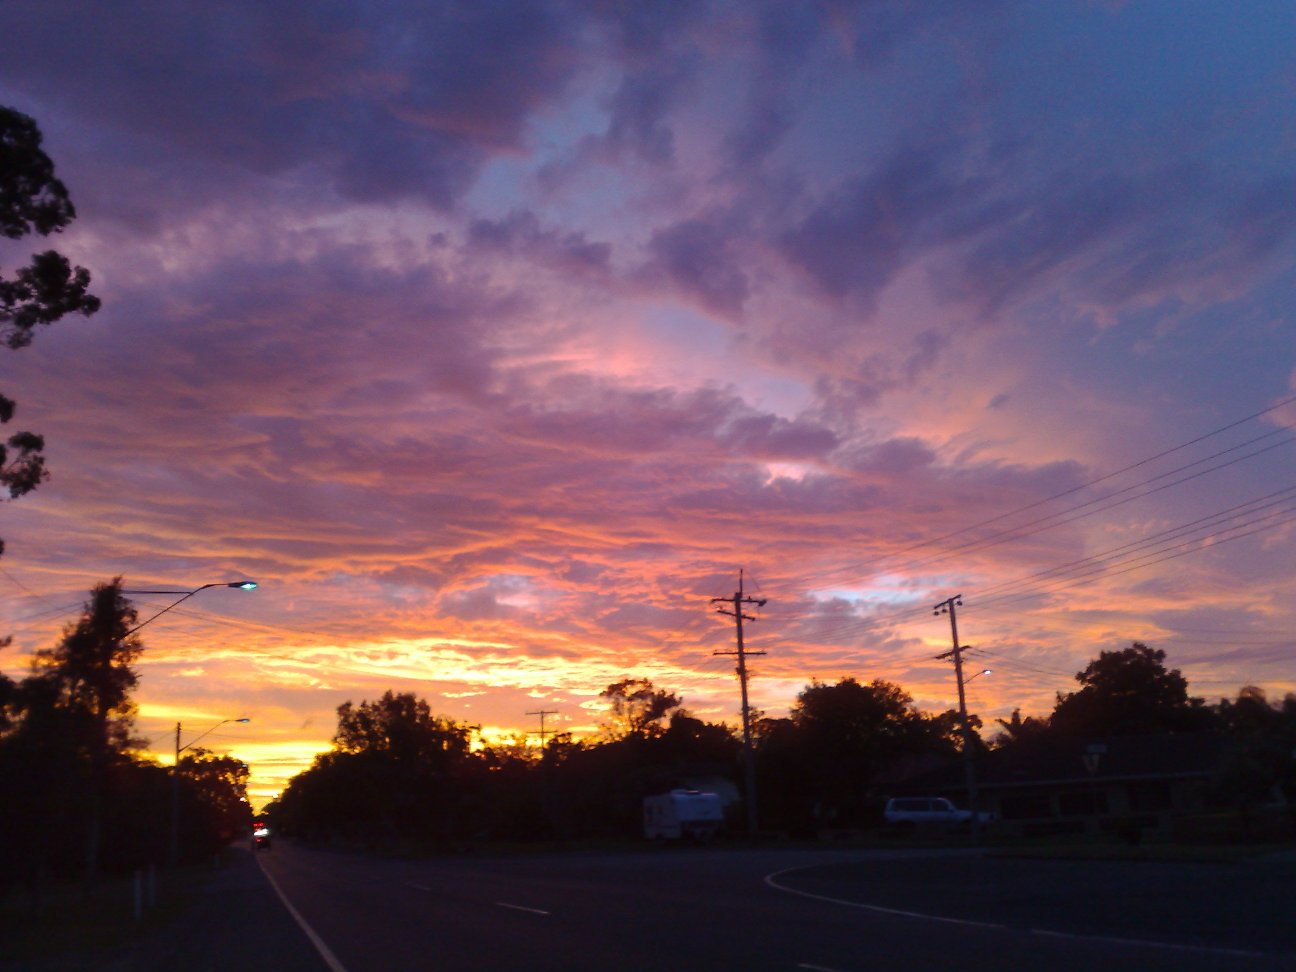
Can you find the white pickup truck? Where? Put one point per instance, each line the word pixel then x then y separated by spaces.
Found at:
pixel 928 813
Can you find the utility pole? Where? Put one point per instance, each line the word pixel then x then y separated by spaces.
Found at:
pixel 173 855
pixel 543 731
pixel 749 762
pixel 969 770
pixel 546 787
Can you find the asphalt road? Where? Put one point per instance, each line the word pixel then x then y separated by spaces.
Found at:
pixel 294 909
pixel 719 909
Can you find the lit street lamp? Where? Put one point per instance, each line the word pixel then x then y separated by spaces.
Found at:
pixel 175 782
pixel 243 585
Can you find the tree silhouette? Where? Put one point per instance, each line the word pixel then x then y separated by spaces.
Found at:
pixel 688 739
pixel 1018 731
pixel 636 708
pixel 1128 692
pixel 89 672
pixel 396 771
pixel 402 727
pixel 32 200
pixel 70 767
pixel 216 806
pixel 66 733
pixel 821 762
pixel 88 677
pixel 1261 758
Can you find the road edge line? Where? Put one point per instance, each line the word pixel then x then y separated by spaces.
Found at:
pixel 517 907
pixel 325 952
pixel 1074 936
pixel 769 879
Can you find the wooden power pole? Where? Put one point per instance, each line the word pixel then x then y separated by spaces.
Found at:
pixel 969 770
pixel 749 761
pixel 543 731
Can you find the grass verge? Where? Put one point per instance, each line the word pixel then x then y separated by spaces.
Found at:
pixel 67 923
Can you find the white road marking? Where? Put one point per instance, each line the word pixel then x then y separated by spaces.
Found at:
pixel 1109 939
pixel 326 953
pixel 534 911
pixel 1174 946
pixel 817 968
pixel 417 887
pixel 769 879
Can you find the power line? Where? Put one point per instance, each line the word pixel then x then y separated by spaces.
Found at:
pixel 1172 531
pixel 1043 522
pixel 19 584
pixel 1155 543
pixel 1195 546
pixel 49 613
pixel 1112 475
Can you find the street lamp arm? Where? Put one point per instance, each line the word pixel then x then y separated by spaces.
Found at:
pixel 242 585
pixel 194 742
pixel 167 608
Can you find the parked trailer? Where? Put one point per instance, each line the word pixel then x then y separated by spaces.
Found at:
pixel 683 813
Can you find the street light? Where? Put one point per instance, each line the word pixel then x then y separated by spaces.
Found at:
pixel 984 671
pixel 243 585
pixel 175 778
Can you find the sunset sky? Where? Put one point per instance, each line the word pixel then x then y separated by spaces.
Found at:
pixel 494 338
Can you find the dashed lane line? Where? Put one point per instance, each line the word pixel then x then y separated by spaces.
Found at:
pixel 498 904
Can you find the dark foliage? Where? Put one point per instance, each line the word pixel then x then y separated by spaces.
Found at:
pixel 214 809
pixel 636 708
pixel 32 200
pixel 1128 692
pixel 820 767
pixel 74 795
pixel 1261 762
pixel 398 773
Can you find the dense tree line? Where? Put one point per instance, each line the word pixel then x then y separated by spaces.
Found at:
pixel 398 773
pixel 77 795
pixel 1132 693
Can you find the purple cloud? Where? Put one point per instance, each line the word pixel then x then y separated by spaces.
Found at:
pixel 390 107
pixel 520 233
pixel 696 256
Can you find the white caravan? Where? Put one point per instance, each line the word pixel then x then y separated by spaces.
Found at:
pixel 683 813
